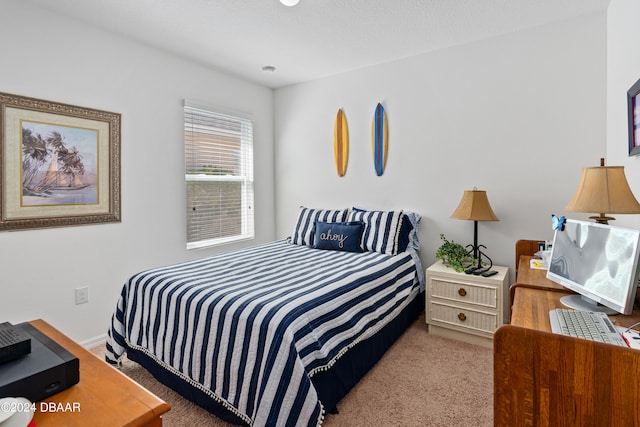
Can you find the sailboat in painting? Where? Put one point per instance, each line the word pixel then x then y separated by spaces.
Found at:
pixel 52 170
pixel 54 179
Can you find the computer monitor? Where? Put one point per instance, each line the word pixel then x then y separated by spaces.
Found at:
pixel 599 262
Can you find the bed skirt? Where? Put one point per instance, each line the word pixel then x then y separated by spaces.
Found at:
pixel 331 385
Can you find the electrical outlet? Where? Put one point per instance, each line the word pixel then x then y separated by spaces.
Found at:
pixel 82 295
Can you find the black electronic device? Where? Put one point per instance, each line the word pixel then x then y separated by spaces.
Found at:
pixel 14 343
pixel 480 271
pixel 47 370
pixel 489 273
pixel 471 270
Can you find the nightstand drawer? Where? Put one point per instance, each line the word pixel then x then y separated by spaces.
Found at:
pixel 462 317
pixel 484 296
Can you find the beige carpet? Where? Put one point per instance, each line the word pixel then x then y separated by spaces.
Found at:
pixel 423 380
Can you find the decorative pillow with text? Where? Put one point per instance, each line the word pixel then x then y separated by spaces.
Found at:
pixel 339 236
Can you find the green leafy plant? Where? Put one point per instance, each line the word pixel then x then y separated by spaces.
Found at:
pixel 454 254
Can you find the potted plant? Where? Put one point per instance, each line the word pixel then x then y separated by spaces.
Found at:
pixel 454 255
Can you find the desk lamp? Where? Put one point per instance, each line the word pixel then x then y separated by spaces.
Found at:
pixel 603 189
pixel 475 206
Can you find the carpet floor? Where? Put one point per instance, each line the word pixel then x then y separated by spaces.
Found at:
pixel 422 380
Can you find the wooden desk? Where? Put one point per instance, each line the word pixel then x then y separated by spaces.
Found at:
pixel 546 379
pixel 106 396
pixel 531 309
pixel 531 278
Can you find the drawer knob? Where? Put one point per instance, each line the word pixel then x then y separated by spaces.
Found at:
pixel 462 317
pixel 462 292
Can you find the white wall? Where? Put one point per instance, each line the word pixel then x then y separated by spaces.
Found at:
pixel 623 70
pixel 517 115
pixel 50 57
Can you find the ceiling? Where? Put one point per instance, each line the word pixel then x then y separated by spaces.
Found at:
pixel 316 38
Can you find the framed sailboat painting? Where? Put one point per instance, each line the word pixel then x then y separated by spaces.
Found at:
pixel 60 164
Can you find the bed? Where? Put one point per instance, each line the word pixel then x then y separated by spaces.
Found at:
pixel 276 334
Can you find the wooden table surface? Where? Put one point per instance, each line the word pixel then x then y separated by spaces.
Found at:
pixel 534 278
pixel 105 396
pixel 531 309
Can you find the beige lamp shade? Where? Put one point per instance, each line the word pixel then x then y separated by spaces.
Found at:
pixel 474 206
pixel 604 190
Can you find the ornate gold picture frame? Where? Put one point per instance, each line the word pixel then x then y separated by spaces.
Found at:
pixel 60 164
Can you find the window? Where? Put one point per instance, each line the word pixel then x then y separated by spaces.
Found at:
pixel 218 151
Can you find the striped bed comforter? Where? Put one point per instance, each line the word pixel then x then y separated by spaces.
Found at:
pixel 250 328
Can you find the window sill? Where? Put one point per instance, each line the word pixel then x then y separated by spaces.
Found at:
pixel 218 242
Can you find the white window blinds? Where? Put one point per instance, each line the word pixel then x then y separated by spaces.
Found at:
pixel 218 151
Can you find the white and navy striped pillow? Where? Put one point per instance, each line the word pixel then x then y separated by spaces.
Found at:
pixel 303 232
pixel 381 230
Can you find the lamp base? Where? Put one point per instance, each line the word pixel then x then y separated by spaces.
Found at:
pixel 602 219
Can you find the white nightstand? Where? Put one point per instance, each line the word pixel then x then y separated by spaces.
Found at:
pixel 464 306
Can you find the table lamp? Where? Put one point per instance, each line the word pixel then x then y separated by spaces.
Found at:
pixel 474 206
pixel 603 190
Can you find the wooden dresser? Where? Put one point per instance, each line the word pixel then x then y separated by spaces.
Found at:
pixel 546 379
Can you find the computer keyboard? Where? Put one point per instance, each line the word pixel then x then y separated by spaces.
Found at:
pixel 585 324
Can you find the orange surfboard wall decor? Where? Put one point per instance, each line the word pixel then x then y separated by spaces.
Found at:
pixel 341 143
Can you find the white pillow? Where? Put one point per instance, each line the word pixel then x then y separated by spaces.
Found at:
pixel 381 230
